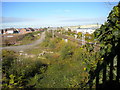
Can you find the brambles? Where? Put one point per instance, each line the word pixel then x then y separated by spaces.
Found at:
pixel 66 51
pixel 109 33
pixel 107 72
pixel 17 71
pixel 66 64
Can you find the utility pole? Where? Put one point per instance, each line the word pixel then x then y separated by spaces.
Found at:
pixel 53 33
pixel 83 38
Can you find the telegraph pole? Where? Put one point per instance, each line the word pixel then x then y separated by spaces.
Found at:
pixel 53 33
pixel 83 38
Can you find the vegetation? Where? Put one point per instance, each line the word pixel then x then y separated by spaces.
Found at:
pixel 109 33
pixel 59 64
pixel 89 37
pixel 21 39
pixel 30 37
pixel 109 37
pixel 17 71
pixel 64 64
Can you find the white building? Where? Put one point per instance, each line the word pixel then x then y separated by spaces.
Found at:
pixel 52 28
pixel 10 31
pixel 85 30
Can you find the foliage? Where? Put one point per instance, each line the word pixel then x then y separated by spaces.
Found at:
pixel 66 67
pixel 17 71
pixel 71 69
pixel 8 58
pixel 49 41
pixel 109 33
pixel 66 51
pixel 108 36
pixel 89 37
pixel 63 74
pixel 29 37
pixel 79 35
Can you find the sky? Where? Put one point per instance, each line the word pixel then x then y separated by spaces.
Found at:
pixel 60 0
pixel 53 14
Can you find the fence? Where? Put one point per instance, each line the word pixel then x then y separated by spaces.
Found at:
pixel 108 70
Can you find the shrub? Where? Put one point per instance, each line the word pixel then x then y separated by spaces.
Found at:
pixel 66 51
pixel 8 58
pixel 17 71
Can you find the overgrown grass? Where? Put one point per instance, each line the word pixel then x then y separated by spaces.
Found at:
pixel 29 38
pixel 69 65
pixel 18 70
pixel 22 39
pixel 63 65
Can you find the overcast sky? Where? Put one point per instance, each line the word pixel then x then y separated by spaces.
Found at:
pixel 44 14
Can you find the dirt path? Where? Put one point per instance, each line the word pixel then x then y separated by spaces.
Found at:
pixel 24 47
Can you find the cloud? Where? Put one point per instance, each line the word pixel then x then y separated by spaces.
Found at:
pixel 62 11
pixel 67 11
pixel 100 19
pixel 15 19
pixel 48 21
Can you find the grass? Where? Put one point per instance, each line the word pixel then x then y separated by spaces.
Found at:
pixel 29 38
pixel 21 39
pixel 67 66
pixel 63 71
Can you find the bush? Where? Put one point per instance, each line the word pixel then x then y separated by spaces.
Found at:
pixel 8 58
pixel 18 71
pixel 66 51
pixel 63 74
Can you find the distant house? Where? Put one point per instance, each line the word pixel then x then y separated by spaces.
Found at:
pixel 28 30
pixel 16 31
pixel 35 29
pixel 1 31
pixel 40 29
pixel 32 29
pixel 52 28
pixel 83 28
pixel 23 30
pixel 4 31
pixel 10 31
